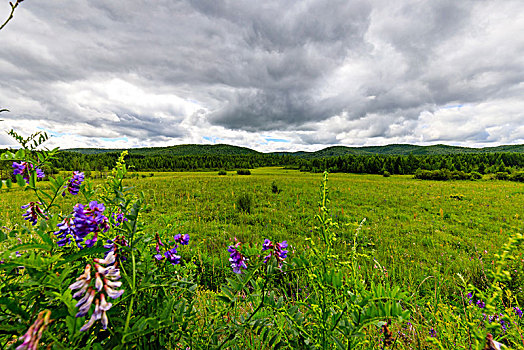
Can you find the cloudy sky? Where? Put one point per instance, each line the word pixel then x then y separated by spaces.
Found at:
pixel 270 75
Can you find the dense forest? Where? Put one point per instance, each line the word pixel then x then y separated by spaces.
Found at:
pixel 333 159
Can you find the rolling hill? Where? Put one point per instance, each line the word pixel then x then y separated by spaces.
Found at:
pixel 334 151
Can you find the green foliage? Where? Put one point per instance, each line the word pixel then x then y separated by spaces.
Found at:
pixel 243 172
pixel 373 161
pixel 445 174
pixel 274 188
pixel 517 176
pixel 501 175
pixel 222 172
pixel 245 203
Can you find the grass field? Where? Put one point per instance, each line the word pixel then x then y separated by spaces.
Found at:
pixel 413 228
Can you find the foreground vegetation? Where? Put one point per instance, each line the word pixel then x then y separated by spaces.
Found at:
pixel 424 270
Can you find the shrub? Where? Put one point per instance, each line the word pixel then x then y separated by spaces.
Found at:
pixel 274 188
pixel 475 175
pixel 501 175
pixel 243 172
pixel 222 172
pixel 518 176
pixel 386 173
pixel 244 203
pixel 442 174
pixel 445 174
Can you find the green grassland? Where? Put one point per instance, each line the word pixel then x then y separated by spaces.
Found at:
pixel 413 229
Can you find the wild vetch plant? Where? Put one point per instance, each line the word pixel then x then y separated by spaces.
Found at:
pixel 85 264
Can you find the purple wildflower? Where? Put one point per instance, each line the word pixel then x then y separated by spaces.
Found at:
pixel 24 169
pixel 105 281
pixel 470 297
pixel 33 210
pixel 432 333
pixel 32 337
pixel 182 239
pixel 73 185
pixel 504 325
pixel 481 304
pixel 118 219
pixel 85 221
pixel 65 229
pixel 518 311
pixel 159 243
pixel 277 250
pixel 171 256
pixel 113 245
pixel 236 259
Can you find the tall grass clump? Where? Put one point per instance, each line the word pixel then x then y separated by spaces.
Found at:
pixel 245 203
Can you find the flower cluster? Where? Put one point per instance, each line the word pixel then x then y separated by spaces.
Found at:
pixel 518 311
pixel 172 257
pixel 85 221
pixel 432 333
pixel 73 185
pixel 25 168
pixel 33 210
pixel 236 258
pixel 118 219
pixel 34 333
pixel 278 250
pixel 105 280
pixel 113 245
pixel 171 254
pixel 182 239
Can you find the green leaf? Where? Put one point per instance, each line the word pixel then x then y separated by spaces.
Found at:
pixel 13 307
pixel 20 154
pixel 29 246
pixel 80 254
pixel 45 237
pixel 273 340
pixel 224 298
pixel 32 179
pixel 7 156
pixel 20 180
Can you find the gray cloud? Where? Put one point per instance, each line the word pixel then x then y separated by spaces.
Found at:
pixel 320 73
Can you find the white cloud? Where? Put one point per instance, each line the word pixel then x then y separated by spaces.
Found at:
pixel 106 74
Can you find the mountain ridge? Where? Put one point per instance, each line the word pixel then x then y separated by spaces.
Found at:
pixel 332 151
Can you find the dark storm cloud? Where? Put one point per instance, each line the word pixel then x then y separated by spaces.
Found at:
pixel 330 72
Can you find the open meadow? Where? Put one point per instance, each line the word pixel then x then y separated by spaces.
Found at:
pixel 413 228
pixel 418 235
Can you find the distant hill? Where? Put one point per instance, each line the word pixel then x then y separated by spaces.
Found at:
pixel 399 149
pixel 222 149
pixel 179 150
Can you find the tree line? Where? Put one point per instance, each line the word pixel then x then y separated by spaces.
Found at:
pixel 482 163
